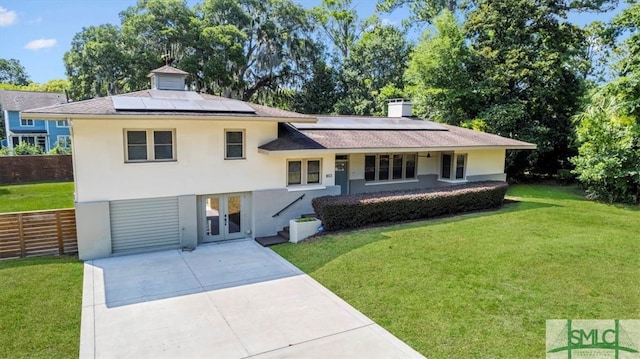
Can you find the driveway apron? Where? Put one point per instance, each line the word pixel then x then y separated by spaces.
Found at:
pixel 229 300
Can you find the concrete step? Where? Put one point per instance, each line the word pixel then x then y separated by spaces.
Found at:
pixel 284 234
pixel 271 240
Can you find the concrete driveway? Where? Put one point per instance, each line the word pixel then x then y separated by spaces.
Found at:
pixel 229 300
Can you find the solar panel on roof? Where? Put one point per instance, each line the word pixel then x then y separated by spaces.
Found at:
pixel 369 123
pixel 158 104
pixel 188 103
pixel 127 103
pixel 236 106
pixel 184 95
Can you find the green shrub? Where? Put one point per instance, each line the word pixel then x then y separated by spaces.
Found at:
pixel 565 176
pixel 353 211
pixel 25 148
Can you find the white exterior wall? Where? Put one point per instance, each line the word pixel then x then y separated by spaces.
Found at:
pixel 102 174
pixel 485 162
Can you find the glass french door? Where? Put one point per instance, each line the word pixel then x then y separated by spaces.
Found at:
pixel 223 217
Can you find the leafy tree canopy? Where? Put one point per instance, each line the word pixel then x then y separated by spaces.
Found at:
pixel 12 72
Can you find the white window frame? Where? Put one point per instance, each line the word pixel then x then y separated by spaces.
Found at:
pixel 304 171
pixel 453 170
pixel 150 145
pixel 64 124
pixel 27 123
pixel 226 144
pixel 67 141
pixel 390 174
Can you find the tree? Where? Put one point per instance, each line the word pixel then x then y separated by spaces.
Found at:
pixel 628 49
pixel 608 160
pixel 438 81
pixel 318 95
pixel 377 60
pixel 608 128
pixel 12 72
pixel 277 46
pixel 96 64
pixel 525 67
pixel 156 32
pixel 421 10
pixel 339 21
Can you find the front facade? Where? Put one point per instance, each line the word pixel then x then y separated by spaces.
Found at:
pixel 37 132
pixel 167 168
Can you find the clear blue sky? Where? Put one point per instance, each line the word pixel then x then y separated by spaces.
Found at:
pixel 39 32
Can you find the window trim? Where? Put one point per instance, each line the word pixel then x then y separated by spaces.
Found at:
pixel 304 172
pixel 66 124
pixel 390 178
pixel 150 144
pixel 67 141
pixel 226 145
pixel 453 167
pixel 27 122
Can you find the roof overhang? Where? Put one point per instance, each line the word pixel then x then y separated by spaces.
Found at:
pixel 27 131
pixel 391 150
pixel 75 116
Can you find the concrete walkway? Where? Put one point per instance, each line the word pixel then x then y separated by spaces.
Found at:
pixel 229 300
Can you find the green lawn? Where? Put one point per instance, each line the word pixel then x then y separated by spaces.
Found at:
pixel 40 307
pixel 36 196
pixel 482 285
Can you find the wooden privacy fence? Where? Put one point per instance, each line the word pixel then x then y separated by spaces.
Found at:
pixel 24 234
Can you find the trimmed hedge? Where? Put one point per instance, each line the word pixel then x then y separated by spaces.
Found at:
pixel 353 211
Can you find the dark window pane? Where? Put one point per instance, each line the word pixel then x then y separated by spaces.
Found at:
pixel 137 137
pixel 383 171
pixel 460 167
pixel 410 168
pixel 234 137
pixel 294 172
pixel 446 166
pixel 397 167
pixel 313 171
pixel 234 151
pixel 369 168
pixel 163 152
pixel 162 137
pixel 137 152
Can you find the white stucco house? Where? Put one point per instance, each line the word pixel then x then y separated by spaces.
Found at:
pixel 168 168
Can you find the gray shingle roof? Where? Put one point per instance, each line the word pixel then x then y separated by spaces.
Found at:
pixel 104 106
pixel 350 139
pixel 12 100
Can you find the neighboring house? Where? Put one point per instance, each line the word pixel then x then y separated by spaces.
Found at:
pixel 168 168
pixel 43 134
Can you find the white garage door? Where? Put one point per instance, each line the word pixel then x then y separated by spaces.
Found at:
pixel 143 225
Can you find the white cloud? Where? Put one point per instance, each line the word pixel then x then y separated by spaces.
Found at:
pixel 37 20
pixel 7 18
pixel 40 44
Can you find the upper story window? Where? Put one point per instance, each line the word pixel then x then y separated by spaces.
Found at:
pixel 234 144
pixel 150 145
pixel 305 171
pixel 62 123
pixel 453 167
pixel 26 123
pixel 390 167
